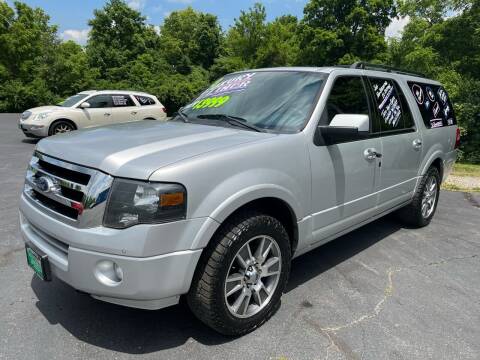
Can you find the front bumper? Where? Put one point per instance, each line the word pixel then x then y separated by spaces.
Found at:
pixel 33 130
pixel 149 282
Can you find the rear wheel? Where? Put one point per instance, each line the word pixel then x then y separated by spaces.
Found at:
pixel 242 274
pixel 60 127
pixel 420 211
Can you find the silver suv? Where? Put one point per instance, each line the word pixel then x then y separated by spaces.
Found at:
pixel 262 167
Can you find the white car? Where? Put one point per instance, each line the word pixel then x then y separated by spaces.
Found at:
pixel 90 109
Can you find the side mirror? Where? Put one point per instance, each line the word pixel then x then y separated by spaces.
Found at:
pixel 85 105
pixel 345 127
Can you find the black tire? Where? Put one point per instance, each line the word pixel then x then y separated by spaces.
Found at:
pixel 206 297
pixel 60 127
pixel 412 213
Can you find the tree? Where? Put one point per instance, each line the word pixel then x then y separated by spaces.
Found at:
pixel 341 31
pixel 118 35
pixel 189 38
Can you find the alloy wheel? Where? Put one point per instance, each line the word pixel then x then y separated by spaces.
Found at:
pixel 253 276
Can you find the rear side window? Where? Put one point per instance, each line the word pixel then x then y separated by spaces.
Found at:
pixel 120 100
pixel 434 104
pixel 392 111
pixel 347 97
pixel 144 100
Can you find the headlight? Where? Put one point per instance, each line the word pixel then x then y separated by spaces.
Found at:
pixel 136 202
pixel 43 115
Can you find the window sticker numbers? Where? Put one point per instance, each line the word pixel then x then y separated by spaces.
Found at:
pixel 119 100
pixel 388 103
pixel 210 102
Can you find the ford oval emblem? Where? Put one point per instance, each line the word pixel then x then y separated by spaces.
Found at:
pixel 45 184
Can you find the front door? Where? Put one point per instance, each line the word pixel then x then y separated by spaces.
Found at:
pixel 344 177
pixel 100 110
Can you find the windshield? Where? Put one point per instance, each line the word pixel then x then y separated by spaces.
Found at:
pixel 270 100
pixel 72 100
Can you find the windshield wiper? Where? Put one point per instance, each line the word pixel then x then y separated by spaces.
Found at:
pixel 182 116
pixel 232 120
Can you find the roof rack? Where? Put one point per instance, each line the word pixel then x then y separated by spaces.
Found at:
pixel 380 67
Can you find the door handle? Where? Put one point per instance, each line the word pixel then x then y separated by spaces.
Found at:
pixel 107 114
pixel 417 144
pixel 371 154
pixel 134 113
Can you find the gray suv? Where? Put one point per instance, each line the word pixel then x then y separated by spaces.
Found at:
pixel 264 166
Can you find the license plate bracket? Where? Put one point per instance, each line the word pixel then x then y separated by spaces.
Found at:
pixel 38 261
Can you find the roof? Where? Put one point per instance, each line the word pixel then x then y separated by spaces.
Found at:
pixel 347 70
pixel 129 92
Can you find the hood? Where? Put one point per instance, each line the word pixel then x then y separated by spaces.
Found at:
pixel 40 109
pixel 136 150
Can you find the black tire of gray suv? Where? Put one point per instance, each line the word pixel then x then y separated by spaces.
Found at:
pixel 207 299
pixel 412 214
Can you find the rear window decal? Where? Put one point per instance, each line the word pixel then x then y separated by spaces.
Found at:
pixel 387 102
pixel 119 100
pixel 418 93
pixel 435 107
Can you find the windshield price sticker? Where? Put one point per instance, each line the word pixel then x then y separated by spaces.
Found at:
pixel 211 102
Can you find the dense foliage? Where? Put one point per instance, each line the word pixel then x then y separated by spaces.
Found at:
pixel 442 40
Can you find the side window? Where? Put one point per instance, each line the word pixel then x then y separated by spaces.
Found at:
pixel 407 112
pixel 347 97
pixel 100 101
pixel 434 104
pixel 122 100
pixel 391 112
pixel 144 100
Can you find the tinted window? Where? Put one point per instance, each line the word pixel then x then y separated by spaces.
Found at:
pixel 392 111
pixel 434 104
pixel 144 100
pixel 122 100
pixel 100 101
pixel 275 100
pixel 347 97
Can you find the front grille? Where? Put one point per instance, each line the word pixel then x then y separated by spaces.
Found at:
pixel 69 192
pixel 55 206
pixel 67 174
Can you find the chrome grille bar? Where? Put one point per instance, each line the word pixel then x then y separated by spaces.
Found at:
pixel 46 190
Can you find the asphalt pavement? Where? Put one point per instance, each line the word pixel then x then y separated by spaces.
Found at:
pixel 381 292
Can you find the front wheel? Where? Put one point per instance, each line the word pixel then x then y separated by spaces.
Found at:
pixel 420 211
pixel 242 274
pixel 61 127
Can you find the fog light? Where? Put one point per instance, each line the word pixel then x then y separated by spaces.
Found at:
pixel 108 273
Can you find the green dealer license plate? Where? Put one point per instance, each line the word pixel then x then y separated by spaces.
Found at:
pixel 38 262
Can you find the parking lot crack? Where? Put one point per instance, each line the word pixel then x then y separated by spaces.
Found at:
pixel 331 331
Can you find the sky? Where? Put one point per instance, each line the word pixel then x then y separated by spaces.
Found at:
pixel 72 16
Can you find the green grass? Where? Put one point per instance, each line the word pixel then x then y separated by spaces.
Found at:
pixel 466 170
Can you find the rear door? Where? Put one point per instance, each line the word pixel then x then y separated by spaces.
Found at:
pixel 343 177
pixel 401 142
pixel 124 109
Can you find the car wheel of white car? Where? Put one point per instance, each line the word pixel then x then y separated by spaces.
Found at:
pixel 242 274
pixel 60 127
